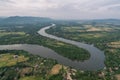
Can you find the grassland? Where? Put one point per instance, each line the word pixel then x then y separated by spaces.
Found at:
pixel 4 33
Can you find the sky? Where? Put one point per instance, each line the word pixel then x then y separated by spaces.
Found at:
pixel 62 9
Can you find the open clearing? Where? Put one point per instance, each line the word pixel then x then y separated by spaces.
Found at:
pixel 56 69
pixel 10 60
pixel 118 77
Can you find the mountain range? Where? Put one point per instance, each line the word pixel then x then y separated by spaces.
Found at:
pixel 32 20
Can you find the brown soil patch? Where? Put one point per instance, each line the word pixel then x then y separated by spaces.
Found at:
pixel 56 69
pixel 117 76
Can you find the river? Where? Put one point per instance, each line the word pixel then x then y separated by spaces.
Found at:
pixel 95 62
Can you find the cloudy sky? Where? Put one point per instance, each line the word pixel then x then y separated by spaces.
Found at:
pixel 61 9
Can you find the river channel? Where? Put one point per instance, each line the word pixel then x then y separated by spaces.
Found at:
pixel 95 62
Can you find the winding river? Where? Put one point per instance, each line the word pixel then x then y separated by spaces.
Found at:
pixel 95 62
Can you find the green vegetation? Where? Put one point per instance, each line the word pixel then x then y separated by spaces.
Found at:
pixel 10 60
pixel 69 51
pixel 105 36
pixel 29 35
pixel 11 33
pixel 87 33
pixel 32 67
pixel 56 77
pixel 32 78
pixel 28 66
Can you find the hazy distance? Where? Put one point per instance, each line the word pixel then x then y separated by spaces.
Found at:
pixel 62 9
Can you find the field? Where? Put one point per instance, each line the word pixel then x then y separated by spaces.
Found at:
pixel 5 33
pixel 85 31
pixel 86 28
pixel 114 44
pixel 10 60
pixel 32 78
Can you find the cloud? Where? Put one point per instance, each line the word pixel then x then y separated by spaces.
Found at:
pixel 73 9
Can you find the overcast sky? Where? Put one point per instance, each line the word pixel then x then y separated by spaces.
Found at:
pixel 61 9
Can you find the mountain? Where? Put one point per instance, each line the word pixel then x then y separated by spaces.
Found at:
pixel 23 20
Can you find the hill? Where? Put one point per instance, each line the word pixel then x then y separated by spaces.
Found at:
pixel 24 20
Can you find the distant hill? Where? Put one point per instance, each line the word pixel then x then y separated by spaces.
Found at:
pixel 100 21
pixel 23 20
pixel 32 20
pixel 107 21
pixel 1 18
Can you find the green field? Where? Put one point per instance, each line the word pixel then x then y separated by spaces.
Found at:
pixel 11 33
